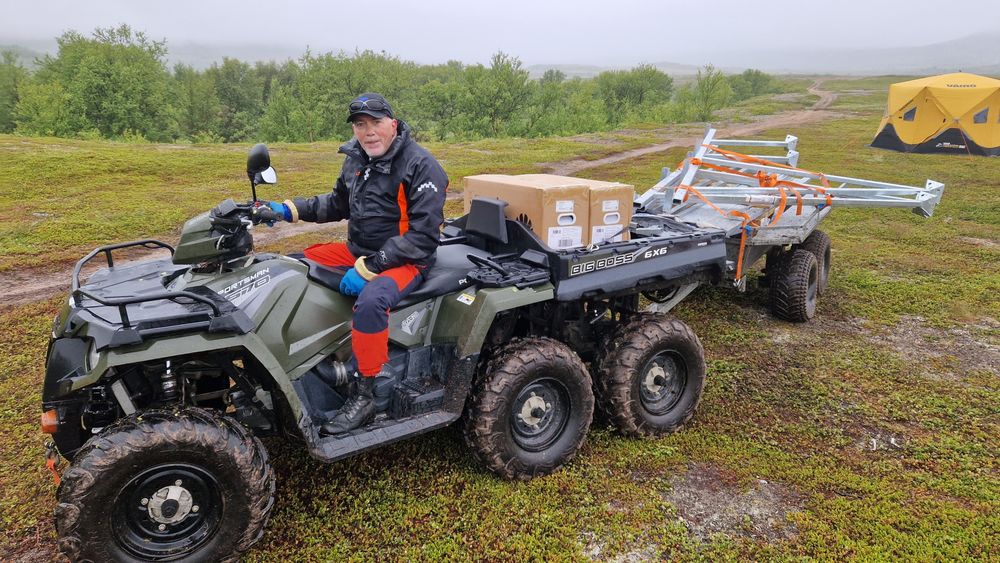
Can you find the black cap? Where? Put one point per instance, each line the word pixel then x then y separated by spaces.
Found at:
pixel 371 104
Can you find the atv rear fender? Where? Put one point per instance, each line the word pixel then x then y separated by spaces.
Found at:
pixel 465 318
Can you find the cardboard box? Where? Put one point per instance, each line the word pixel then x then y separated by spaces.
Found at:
pixel 556 208
pixel 610 212
pixel 610 208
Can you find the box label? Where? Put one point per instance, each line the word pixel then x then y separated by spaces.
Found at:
pixel 565 237
pixel 609 205
pixel 607 233
pixel 564 206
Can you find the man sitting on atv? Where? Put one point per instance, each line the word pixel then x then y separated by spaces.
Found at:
pixel 392 191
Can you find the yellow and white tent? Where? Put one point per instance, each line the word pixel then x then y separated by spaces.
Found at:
pixel 956 112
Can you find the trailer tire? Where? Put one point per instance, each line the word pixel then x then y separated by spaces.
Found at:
pixel 651 376
pixel 820 245
pixel 795 286
pixel 531 410
pixel 772 264
pixel 163 484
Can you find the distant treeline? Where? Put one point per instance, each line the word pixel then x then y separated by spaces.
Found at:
pixel 116 85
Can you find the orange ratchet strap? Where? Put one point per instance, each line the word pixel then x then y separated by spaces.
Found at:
pixel 743 227
pixel 764 162
pixel 765 180
pixel 770 180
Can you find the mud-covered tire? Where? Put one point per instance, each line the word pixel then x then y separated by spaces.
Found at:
pixel 107 497
pixel 651 345
pixel 531 410
pixel 794 287
pixel 821 246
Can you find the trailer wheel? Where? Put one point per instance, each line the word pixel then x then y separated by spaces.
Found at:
pixel 531 412
pixel 820 245
pixel 772 264
pixel 165 485
pixel 652 375
pixel 795 286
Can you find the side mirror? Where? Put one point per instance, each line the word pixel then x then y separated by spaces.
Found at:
pixel 258 160
pixel 259 168
pixel 266 176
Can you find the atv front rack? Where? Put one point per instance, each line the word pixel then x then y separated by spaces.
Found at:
pixel 145 243
pixel 123 302
pixel 220 315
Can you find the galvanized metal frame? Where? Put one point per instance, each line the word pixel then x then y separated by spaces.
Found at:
pixel 732 191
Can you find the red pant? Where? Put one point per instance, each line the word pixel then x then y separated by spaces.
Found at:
pixel 370 324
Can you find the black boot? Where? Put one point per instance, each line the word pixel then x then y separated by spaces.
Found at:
pixel 357 411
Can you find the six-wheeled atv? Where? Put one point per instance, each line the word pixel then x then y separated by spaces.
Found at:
pixel 161 374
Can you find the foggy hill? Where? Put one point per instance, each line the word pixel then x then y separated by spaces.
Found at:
pixel 589 71
pixel 975 53
pixel 26 55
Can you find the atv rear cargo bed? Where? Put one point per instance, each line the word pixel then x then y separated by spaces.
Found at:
pixel 680 253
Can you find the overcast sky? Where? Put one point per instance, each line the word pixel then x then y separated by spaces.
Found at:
pixel 600 32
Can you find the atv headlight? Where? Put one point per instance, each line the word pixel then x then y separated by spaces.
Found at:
pixel 92 356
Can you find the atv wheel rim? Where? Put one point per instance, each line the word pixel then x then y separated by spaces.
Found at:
pixel 167 511
pixel 170 505
pixel 539 414
pixel 661 382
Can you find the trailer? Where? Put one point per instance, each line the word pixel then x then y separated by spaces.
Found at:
pixel 768 208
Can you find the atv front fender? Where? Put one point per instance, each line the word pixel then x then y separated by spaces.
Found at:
pixel 187 345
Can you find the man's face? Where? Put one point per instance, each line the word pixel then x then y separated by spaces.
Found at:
pixel 374 133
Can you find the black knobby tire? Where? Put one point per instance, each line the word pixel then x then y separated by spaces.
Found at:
pixel 107 498
pixel 821 246
pixel 795 286
pixel 647 347
pixel 531 410
pixel 772 264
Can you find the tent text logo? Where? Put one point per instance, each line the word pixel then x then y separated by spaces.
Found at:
pixel 961 85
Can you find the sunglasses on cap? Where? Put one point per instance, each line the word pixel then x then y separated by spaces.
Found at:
pixel 374 105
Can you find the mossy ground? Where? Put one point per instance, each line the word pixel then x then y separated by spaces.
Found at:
pixel 870 433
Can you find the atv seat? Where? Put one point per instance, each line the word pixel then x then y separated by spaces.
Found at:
pixel 324 275
pixel 447 275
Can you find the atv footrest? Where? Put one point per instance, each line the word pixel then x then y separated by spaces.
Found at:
pixel 380 433
pixel 409 399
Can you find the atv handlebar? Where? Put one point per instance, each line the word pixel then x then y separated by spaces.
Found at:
pixel 264 214
pixel 231 214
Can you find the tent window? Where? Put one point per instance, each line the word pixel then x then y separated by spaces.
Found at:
pixel 982 116
pixel 908 116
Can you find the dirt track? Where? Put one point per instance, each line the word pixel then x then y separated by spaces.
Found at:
pixel 817 112
pixel 32 285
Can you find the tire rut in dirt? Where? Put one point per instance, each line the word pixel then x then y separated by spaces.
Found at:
pixel 793 288
pixel 546 383
pixel 651 342
pixel 94 517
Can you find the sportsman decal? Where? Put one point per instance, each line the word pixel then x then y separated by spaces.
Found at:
pixel 237 292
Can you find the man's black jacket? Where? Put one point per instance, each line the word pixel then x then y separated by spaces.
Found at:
pixel 395 203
